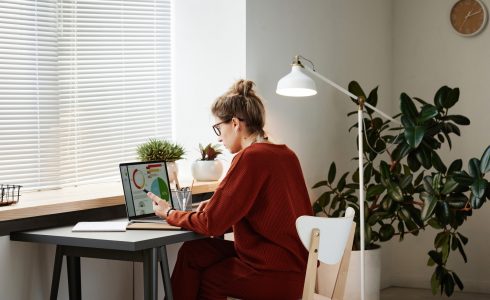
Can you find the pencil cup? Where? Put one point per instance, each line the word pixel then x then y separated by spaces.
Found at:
pixel 184 199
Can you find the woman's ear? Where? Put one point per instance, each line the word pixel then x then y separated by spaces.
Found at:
pixel 236 123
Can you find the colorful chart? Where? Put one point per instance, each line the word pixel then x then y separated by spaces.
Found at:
pixel 153 170
pixel 138 179
pixel 160 188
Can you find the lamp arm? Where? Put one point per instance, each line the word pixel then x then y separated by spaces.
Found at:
pixel 346 92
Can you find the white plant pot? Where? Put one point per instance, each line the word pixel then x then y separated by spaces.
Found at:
pixel 372 279
pixel 173 171
pixel 207 170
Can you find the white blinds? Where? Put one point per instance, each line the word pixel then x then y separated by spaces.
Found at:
pixel 114 79
pixel 109 89
pixel 28 100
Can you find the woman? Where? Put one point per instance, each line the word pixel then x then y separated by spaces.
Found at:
pixel 260 198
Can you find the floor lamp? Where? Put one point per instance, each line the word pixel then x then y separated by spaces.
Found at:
pixel 299 84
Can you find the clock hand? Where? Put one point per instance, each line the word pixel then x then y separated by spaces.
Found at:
pixel 465 19
pixel 475 13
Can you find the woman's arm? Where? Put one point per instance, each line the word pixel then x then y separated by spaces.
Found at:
pixel 230 203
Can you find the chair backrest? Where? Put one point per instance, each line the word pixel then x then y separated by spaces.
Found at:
pixel 328 240
pixel 334 233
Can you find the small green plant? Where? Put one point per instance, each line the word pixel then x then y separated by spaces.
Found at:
pixel 160 150
pixel 209 152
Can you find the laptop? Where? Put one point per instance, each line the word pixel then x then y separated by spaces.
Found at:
pixel 137 179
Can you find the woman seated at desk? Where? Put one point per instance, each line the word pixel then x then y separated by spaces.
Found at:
pixel 260 198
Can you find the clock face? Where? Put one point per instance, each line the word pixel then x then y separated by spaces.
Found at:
pixel 468 17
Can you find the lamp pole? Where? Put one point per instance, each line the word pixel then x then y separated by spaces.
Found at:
pixel 360 109
pixel 296 86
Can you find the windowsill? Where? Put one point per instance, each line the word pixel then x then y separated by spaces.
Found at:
pixel 43 203
pixel 35 204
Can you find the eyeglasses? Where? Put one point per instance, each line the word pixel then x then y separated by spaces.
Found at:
pixel 217 128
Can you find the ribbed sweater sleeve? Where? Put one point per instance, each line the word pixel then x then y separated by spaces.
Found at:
pixel 227 206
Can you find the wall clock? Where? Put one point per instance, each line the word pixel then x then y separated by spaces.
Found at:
pixel 468 17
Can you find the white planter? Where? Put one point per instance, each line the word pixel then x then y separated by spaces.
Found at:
pixel 372 278
pixel 207 170
pixel 172 170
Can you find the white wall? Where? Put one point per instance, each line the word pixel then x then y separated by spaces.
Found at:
pixel 209 55
pixel 347 40
pixel 428 54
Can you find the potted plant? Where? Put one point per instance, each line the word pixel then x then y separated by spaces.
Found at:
pixel 207 168
pixel 165 150
pixel 409 187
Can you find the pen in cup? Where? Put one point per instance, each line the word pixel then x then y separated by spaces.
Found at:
pixel 185 192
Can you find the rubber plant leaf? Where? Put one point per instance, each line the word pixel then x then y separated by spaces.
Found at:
pixel 414 135
pixel 408 107
pixel 485 161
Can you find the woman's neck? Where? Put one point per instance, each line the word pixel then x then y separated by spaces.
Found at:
pixel 252 139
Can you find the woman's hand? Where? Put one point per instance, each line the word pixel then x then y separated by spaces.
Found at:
pixel 202 205
pixel 160 206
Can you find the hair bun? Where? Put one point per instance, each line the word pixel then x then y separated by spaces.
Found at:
pixel 244 87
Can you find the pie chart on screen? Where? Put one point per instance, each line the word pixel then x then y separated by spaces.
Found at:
pixel 138 179
pixel 160 188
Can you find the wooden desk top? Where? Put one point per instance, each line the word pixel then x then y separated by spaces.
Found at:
pixel 34 204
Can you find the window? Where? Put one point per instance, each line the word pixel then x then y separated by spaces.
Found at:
pixel 82 83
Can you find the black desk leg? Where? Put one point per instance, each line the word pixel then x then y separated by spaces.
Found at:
pixel 74 278
pixel 55 282
pixel 167 285
pixel 150 273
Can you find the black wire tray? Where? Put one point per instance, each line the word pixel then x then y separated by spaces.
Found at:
pixel 9 194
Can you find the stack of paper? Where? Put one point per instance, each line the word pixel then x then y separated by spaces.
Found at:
pixel 101 226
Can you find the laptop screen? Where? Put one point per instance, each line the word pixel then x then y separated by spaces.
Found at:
pixel 140 176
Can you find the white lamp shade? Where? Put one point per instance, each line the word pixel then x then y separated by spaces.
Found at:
pixel 296 84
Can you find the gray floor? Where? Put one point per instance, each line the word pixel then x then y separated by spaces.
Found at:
pixel 398 293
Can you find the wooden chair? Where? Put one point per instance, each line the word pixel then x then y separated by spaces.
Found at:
pixel 330 241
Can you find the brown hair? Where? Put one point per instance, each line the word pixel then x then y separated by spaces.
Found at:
pixel 240 101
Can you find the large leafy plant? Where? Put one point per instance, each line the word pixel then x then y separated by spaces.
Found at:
pixel 408 185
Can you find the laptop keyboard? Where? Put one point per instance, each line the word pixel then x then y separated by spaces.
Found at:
pixel 151 219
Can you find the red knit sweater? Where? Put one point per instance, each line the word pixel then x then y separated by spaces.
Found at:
pixel 260 198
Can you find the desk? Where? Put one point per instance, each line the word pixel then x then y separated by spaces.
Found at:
pixel 148 246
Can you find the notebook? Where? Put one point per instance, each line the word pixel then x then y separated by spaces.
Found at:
pixel 100 226
pixel 138 178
